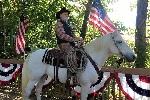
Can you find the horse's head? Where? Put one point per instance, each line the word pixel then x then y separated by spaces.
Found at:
pixel 119 46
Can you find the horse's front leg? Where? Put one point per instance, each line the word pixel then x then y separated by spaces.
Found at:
pixel 40 85
pixel 85 88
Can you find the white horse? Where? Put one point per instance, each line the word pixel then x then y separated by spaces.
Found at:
pixel 99 49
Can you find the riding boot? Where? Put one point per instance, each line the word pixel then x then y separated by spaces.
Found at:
pixel 68 78
pixel 74 79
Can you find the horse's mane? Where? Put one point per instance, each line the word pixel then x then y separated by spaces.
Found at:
pixel 98 43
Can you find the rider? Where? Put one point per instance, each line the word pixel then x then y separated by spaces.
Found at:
pixel 65 35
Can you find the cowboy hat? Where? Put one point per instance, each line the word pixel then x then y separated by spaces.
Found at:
pixel 61 11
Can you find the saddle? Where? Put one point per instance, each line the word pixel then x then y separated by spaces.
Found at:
pixel 57 58
pixel 54 57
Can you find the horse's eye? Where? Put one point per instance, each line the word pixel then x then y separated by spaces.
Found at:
pixel 119 42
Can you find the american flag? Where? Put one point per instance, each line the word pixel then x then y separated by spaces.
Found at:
pixel 20 38
pixel 99 19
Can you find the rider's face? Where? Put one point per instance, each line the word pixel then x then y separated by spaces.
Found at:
pixel 64 16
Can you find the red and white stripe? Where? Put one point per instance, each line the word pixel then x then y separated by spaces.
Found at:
pixel 104 25
pixel 20 38
pixel 4 80
pixel 127 91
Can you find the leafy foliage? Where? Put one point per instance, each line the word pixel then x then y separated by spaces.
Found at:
pixel 40 34
pixel 41 14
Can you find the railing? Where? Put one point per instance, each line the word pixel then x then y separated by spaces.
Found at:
pixel 135 71
pixel 111 92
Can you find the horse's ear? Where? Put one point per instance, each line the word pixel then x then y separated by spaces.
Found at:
pixel 121 33
pixel 118 32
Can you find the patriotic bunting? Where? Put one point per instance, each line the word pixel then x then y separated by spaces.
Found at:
pixel 9 72
pixel 134 87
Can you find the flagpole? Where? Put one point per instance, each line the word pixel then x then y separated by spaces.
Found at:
pixel 85 21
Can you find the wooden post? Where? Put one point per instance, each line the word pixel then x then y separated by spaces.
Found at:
pixel 140 40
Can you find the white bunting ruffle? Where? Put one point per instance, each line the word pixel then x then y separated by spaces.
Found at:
pixel 132 86
pixel 9 73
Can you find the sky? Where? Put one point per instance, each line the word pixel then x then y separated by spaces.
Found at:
pixel 122 12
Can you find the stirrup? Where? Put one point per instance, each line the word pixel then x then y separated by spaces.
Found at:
pixel 74 80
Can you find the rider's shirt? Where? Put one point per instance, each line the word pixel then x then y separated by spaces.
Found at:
pixel 64 32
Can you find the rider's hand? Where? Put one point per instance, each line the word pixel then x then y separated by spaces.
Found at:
pixel 81 39
pixel 78 41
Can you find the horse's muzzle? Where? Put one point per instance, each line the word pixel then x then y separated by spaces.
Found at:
pixel 130 57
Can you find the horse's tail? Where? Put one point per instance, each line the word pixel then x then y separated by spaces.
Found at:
pixel 25 77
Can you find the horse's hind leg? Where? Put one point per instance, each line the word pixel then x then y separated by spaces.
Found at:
pixel 28 89
pixel 40 85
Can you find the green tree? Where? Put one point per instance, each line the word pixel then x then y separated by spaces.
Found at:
pixel 140 40
pixel 1 26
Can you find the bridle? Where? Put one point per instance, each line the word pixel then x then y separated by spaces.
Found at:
pixel 117 43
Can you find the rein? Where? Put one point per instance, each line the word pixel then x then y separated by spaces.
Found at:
pixel 94 63
pixel 95 67
pixel 91 60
